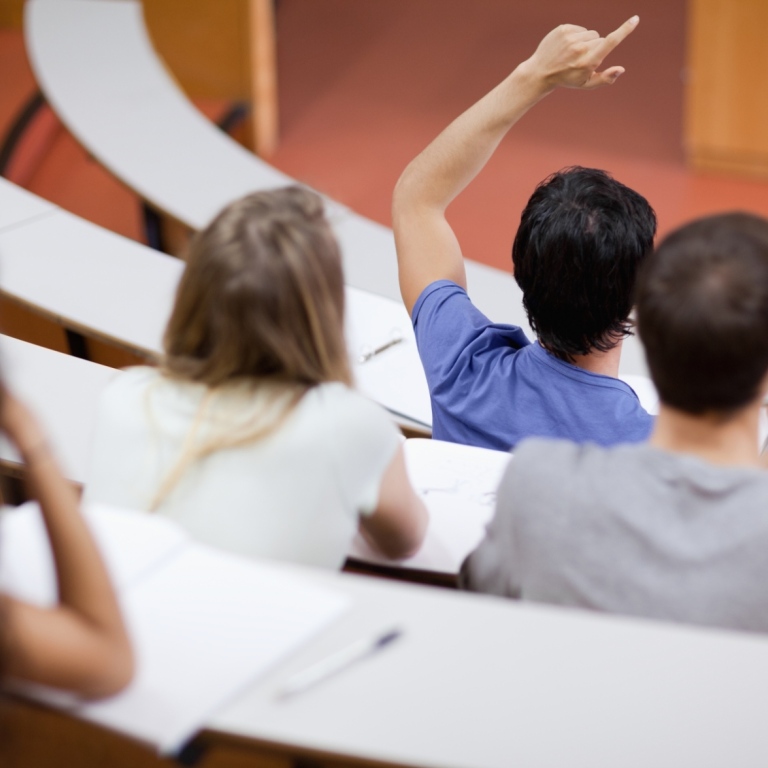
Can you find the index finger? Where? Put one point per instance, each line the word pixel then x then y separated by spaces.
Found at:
pixel 614 38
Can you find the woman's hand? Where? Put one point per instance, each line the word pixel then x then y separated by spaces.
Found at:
pixel 20 425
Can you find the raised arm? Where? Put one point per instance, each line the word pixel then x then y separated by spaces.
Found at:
pixel 427 249
pixel 80 644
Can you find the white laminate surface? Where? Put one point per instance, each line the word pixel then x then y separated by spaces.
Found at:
pixel 368 254
pixel 394 377
pixel 17 205
pixel 97 67
pixel 63 392
pixel 91 278
pixel 479 682
pixel 99 70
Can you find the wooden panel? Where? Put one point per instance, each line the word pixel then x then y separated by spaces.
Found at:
pixel 112 356
pixel 27 325
pixel 11 12
pixel 262 65
pixel 24 323
pixel 204 43
pixel 35 736
pixel 726 101
pixel 222 49
pixel 32 736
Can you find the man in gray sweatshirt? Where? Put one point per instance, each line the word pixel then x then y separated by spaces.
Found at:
pixel 677 527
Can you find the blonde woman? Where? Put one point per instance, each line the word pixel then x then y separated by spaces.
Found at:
pixel 249 434
pixel 79 644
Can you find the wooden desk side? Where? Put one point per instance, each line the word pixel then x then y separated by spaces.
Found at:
pixel 33 735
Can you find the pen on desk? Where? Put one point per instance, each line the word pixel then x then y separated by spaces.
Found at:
pixel 366 356
pixel 336 662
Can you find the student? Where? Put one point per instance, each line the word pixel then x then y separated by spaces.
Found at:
pixel 249 434
pixel 80 644
pixel 675 528
pixel 581 239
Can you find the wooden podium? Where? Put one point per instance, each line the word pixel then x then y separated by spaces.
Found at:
pixel 726 111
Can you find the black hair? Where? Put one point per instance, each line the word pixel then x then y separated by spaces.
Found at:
pixel 702 312
pixel 581 239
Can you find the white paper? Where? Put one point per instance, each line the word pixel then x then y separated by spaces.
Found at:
pixel 204 624
pixel 395 377
pixel 204 628
pixel 26 568
pixel 131 544
pixel 458 485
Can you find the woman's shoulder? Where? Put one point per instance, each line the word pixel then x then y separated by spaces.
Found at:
pixel 132 386
pixel 344 402
pixel 358 435
pixel 347 412
pixel 131 380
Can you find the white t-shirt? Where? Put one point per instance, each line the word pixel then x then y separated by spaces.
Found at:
pixel 294 495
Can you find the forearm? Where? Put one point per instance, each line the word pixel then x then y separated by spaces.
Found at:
pixel 56 647
pixel 399 524
pixel 81 643
pixel 444 169
pixel 84 584
pixel 427 248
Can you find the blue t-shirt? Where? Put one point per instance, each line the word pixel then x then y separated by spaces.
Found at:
pixel 491 387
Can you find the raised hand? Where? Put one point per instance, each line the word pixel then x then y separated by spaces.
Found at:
pixel 569 56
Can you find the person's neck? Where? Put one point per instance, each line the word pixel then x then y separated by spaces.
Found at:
pixel 728 441
pixel 605 363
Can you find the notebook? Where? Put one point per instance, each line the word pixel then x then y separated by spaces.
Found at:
pixel 204 624
pixel 458 485
pixel 385 360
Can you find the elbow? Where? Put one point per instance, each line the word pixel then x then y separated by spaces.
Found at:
pixel 407 541
pixel 418 530
pixel 398 204
pixel 112 673
pixel 400 548
pixel 123 669
pixel 404 198
pixel 407 549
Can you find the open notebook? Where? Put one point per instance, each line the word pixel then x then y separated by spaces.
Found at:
pixel 394 377
pixel 204 624
pixel 458 485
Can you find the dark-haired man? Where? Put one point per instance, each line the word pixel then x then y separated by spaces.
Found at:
pixel 580 242
pixel 675 528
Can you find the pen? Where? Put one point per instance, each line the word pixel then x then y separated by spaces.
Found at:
pixel 336 662
pixel 366 356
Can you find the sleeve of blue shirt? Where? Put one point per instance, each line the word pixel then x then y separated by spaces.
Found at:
pixel 451 332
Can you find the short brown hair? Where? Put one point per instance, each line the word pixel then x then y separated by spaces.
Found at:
pixel 262 296
pixel 702 312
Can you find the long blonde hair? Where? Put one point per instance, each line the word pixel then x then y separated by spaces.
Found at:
pixel 261 302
